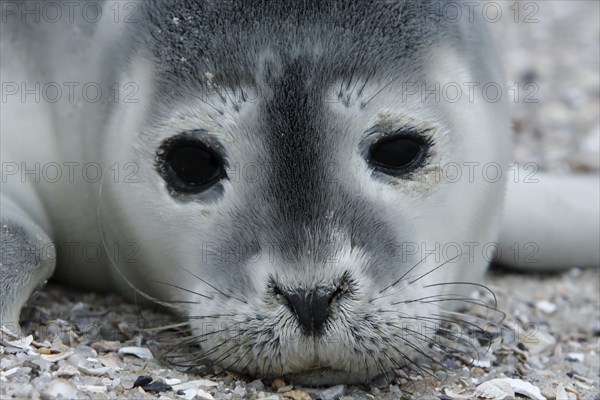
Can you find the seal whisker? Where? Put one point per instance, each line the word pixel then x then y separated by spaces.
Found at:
pixel 406 275
pixel 363 105
pixel 182 288
pixel 229 296
pixel 190 360
pixel 412 363
pixel 193 339
pixel 224 355
pixel 435 269
pixel 479 285
pixel 210 316
pixel 401 278
pixel 165 327
pixel 415 347
pixel 240 358
pixel 421 336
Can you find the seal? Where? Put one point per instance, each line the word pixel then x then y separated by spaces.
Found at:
pixel 314 187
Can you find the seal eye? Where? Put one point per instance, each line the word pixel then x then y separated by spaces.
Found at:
pixel 399 154
pixel 189 166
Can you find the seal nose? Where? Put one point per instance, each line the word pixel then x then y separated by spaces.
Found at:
pixel 310 307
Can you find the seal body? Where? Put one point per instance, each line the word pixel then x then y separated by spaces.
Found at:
pixel 313 253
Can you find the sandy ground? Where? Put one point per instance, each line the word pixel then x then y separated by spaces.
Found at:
pixel 88 346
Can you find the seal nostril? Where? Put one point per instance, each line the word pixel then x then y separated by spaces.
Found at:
pixel 311 307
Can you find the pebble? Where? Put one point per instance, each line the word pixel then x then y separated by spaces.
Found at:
pixel 505 388
pixel 395 391
pixel 66 370
pixel 561 393
pixel 201 394
pixel 285 388
pixel 277 383
pixel 140 352
pixel 105 346
pixel 43 364
pixel 94 371
pixel 93 388
pixel 297 395
pixel 173 381
pixel 195 384
pixel 576 357
pixel 60 387
pixel 257 384
pixel 332 392
pixel 142 380
pixel 546 306
pixel 240 391
pixel 8 373
pixel 56 357
pixel 157 387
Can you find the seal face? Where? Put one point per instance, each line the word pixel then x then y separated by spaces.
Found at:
pixel 290 194
pixel 314 235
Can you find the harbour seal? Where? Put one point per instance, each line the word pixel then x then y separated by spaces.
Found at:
pixel 300 181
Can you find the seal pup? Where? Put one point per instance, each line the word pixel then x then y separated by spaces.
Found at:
pixel 284 172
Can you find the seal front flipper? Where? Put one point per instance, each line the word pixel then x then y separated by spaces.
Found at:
pixel 28 259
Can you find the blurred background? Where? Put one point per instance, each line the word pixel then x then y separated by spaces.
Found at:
pixel 555 45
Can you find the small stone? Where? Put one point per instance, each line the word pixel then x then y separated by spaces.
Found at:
pixel 94 371
pixel 6 374
pixel 140 352
pixel 256 384
pixel 285 388
pixel 109 361
pixel 204 395
pixel 93 388
pixel 195 384
pixel 66 371
pixel 395 391
pixel 56 357
pixel 86 351
pixel 278 383
pixel 333 392
pixel 485 364
pixel 142 380
pixel 157 387
pixel 106 346
pixel 127 384
pixel 22 343
pixel 240 391
pixel 505 388
pixel 575 357
pixel 546 306
pixel 60 387
pixel 561 393
pixel 173 381
pixel 297 395
pixel 522 347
